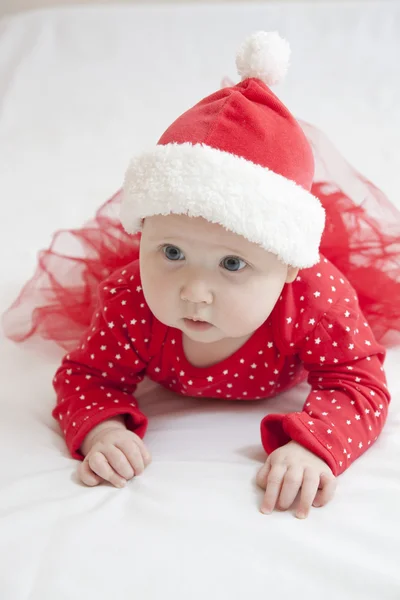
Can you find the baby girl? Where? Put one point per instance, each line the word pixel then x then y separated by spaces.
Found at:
pixel 229 298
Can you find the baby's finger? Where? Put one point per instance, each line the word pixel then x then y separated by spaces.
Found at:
pixel 87 476
pixel 262 474
pixel 145 453
pixel 309 489
pixel 274 483
pixel 327 489
pixel 100 465
pixel 133 455
pixel 290 487
pixel 119 462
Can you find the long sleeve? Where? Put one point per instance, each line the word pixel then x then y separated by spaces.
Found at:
pixel 97 380
pixel 347 406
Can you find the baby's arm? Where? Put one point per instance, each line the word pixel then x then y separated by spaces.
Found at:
pixel 347 407
pixel 96 382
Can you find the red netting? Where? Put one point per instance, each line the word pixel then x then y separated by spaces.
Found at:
pixel 361 238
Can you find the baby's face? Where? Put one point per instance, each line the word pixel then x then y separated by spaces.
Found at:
pixel 193 269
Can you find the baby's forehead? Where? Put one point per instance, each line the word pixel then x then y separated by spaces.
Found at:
pixel 193 228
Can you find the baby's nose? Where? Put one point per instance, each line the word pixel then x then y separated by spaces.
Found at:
pixel 196 291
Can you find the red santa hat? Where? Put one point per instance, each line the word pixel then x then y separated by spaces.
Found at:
pixel 238 158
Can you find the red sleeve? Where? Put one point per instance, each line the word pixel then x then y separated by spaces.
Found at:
pixel 348 403
pixel 97 380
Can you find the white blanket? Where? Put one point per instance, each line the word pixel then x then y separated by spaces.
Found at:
pixel 81 90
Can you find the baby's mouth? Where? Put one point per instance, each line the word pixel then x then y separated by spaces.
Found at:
pixel 197 323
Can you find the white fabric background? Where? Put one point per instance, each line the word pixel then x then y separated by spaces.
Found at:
pixel 81 90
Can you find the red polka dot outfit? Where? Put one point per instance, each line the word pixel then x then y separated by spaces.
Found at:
pixel 316 331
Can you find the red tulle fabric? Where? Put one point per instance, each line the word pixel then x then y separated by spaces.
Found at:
pixel 361 238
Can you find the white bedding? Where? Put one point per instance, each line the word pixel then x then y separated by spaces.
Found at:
pixel 81 90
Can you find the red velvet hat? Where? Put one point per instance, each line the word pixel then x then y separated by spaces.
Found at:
pixel 238 158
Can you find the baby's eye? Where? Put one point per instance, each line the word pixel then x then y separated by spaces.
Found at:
pixel 172 252
pixel 233 263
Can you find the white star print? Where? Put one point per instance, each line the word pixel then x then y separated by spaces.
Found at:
pixel 254 366
pixel 133 322
pixel 311 322
pixel 289 319
pixel 317 340
pixel 103 348
pixel 347 314
pixel 317 294
pixel 139 288
pixel 210 378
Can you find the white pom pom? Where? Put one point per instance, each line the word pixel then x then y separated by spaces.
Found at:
pixel 264 55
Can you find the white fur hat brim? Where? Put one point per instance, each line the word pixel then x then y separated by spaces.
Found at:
pixel 245 198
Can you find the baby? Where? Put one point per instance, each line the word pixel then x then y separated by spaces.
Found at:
pixel 229 298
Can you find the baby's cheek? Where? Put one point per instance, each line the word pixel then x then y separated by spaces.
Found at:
pixel 238 315
pixel 249 310
pixel 160 298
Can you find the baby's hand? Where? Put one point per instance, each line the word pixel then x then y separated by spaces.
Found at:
pixel 112 453
pixel 292 468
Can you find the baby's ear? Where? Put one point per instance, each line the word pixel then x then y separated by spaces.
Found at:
pixel 292 273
